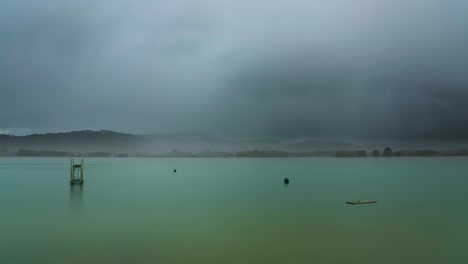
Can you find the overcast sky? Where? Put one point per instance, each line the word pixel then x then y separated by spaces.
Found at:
pixel 389 69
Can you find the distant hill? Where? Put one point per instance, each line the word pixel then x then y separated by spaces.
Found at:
pixel 88 141
pixel 107 143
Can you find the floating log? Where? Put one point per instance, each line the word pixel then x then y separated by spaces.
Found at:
pixel 361 202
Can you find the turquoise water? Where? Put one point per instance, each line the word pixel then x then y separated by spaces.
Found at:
pixel 235 211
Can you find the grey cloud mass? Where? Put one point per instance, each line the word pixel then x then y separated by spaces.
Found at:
pixel 389 70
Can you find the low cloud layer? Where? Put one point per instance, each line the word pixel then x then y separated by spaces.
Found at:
pixel 383 70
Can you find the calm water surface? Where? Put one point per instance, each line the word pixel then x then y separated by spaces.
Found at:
pixel 235 211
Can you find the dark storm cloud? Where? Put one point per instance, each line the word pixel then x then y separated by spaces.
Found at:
pixel 351 69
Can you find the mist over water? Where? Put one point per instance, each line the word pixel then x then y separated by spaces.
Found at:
pixel 225 79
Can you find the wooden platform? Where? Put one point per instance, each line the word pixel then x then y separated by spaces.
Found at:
pixel 76 172
pixel 76 181
pixel 361 202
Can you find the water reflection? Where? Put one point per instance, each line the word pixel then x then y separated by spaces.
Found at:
pixel 76 196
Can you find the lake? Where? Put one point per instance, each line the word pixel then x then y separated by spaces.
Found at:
pixel 233 210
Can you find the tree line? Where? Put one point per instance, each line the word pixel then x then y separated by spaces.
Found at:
pixel 386 152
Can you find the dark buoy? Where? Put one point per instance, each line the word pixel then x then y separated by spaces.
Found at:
pixel 286 181
pixel 175 170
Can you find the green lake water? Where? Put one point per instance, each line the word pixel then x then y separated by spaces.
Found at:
pixel 235 211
